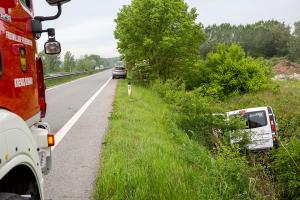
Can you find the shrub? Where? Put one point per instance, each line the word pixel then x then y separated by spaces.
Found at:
pixel 194 74
pixel 234 175
pixel 199 116
pixel 193 115
pixel 230 72
pixel 168 86
pixel 286 166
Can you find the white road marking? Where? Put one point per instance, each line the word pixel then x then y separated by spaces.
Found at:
pixel 65 129
pixel 52 88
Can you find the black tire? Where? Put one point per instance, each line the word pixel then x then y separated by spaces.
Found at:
pixel 10 196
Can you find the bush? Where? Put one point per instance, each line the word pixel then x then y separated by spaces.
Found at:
pixel 194 115
pixel 286 167
pixel 194 74
pixel 234 175
pixel 168 86
pixel 230 72
pixel 199 116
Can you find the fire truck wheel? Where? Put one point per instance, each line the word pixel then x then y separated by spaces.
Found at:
pixel 9 196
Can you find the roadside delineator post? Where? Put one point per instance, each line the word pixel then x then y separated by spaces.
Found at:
pixel 129 89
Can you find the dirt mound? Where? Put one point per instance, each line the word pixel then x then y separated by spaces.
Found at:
pixel 286 67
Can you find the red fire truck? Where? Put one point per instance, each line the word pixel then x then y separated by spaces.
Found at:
pixel 25 140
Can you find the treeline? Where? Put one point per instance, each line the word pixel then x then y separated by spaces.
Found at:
pixel 54 63
pixel 262 39
pixel 195 69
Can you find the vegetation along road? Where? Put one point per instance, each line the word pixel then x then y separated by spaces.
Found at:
pixel 160 143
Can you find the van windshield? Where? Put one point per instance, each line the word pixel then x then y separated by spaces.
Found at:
pixel 256 119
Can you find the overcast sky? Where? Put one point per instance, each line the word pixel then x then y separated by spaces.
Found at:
pixel 86 27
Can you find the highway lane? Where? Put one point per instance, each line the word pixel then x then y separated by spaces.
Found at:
pixel 75 160
pixel 65 100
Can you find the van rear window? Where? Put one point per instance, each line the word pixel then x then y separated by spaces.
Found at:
pixel 256 119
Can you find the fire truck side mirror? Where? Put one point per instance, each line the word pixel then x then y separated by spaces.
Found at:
pixel 52 47
pixel 57 2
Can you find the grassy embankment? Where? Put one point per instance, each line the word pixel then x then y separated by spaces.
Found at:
pixel 58 81
pixel 147 157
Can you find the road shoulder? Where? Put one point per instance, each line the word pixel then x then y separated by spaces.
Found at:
pixel 76 158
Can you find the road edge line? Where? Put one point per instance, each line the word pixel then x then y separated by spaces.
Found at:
pixel 67 127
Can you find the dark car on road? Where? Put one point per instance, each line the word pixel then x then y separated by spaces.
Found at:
pixel 119 71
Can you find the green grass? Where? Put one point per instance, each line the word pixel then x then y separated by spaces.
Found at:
pixel 284 100
pixel 145 156
pixel 58 81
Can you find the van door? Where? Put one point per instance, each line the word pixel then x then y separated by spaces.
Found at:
pixel 260 130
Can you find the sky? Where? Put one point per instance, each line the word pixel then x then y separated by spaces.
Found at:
pixel 86 27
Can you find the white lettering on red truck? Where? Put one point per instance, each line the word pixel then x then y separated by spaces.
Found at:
pixel 18 38
pixel 22 82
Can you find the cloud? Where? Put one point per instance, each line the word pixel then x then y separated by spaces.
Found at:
pixel 89 30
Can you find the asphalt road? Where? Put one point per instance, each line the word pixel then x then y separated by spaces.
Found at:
pixel 76 157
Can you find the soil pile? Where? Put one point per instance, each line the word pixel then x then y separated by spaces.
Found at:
pixel 286 67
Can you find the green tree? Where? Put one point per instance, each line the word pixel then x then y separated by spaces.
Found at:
pixel 294 46
pixel 51 62
pixel 264 38
pixel 96 58
pixel 85 63
pixel 271 38
pixel 69 62
pixel 163 33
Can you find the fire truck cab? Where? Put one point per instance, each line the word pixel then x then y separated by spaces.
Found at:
pixel 25 141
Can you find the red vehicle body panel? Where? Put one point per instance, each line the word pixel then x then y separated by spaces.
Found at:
pixel 19 81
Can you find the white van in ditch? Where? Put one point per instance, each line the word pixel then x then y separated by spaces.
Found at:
pixel 261 124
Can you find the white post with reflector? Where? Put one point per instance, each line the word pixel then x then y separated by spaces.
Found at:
pixel 129 89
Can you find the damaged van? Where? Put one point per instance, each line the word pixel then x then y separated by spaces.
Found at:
pixel 261 124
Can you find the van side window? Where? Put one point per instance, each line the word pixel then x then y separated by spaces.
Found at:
pixel 256 119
